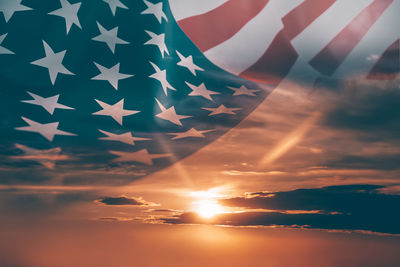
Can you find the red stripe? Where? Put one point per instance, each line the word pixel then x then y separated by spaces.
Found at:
pixel 303 15
pixel 276 62
pixel 388 66
pixel 329 59
pixel 280 56
pixel 218 25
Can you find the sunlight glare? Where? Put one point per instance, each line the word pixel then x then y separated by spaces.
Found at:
pixel 208 208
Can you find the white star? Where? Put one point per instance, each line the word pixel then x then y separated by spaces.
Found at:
pixel 53 62
pixel 201 90
pixel 161 76
pixel 126 138
pixel 109 37
pixel 46 157
pixel 190 133
pixel 170 114
pixel 187 62
pixel 4 50
pixel 243 90
pixel 141 156
pixel 48 103
pixel 221 110
pixel 112 75
pixel 69 13
pixel 116 111
pixel 155 9
pixel 159 41
pixel 48 130
pixel 113 4
pixel 9 7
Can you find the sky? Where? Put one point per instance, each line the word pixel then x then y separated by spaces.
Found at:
pixel 306 174
pixel 311 173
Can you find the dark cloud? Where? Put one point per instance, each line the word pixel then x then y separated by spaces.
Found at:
pixel 113 219
pixel 164 210
pixel 344 198
pixel 349 207
pixel 372 110
pixel 9 176
pixel 41 203
pixel 123 200
pixel 376 162
pixel 105 178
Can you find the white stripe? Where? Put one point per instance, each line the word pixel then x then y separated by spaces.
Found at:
pixel 182 9
pixel 319 33
pixel 284 7
pixel 249 44
pixel 381 35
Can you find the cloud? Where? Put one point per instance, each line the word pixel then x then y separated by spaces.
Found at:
pixel 164 210
pixel 113 219
pixel 40 203
pixel 368 109
pixel 376 162
pixel 12 176
pixel 342 198
pixel 347 207
pixel 124 200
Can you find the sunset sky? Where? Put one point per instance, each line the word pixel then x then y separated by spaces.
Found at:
pixel 341 152
pixel 234 164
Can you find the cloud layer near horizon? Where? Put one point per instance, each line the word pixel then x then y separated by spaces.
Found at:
pixel 349 207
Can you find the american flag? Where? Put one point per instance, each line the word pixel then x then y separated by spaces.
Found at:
pixel 142 84
pixel 264 40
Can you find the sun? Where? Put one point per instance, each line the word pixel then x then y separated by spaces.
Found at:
pixel 207 208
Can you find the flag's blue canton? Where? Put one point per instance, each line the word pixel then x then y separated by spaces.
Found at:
pixel 108 83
